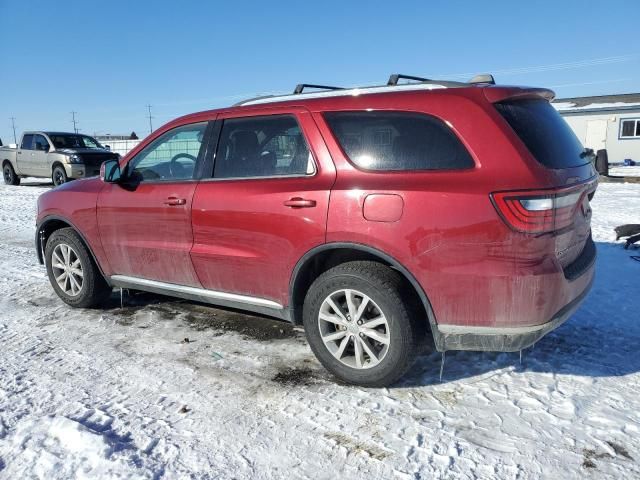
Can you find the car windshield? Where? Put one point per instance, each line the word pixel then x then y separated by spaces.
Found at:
pixel 74 141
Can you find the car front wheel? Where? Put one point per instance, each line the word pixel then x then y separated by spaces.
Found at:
pixel 72 271
pixel 360 325
pixel 59 175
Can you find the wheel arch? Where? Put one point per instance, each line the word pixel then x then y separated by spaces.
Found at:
pixel 52 223
pixel 332 254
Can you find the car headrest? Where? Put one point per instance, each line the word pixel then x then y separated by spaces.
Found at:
pixel 245 143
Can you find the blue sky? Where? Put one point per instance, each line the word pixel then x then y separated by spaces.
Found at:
pixel 107 60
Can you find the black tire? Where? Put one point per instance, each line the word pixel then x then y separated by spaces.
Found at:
pixel 9 175
pixel 383 286
pixel 59 175
pixel 602 162
pixel 94 288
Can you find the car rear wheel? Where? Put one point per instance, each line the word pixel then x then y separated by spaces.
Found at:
pixel 9 175
pixel 72 271
pixel 360 325
pixel 59 175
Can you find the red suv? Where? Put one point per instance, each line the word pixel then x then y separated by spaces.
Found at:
pixel 372 216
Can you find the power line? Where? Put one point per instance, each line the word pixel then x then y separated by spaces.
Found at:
pixel 13 124
pixel 73 120
pixel 150 117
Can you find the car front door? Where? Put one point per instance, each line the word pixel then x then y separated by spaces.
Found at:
pixel 39 155
pixel 145 219
pixel 265 204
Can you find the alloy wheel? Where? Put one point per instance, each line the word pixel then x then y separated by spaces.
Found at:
pixel 354 329
pixel 67 269
pixel 58 177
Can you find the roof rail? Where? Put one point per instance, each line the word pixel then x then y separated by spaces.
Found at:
pixel 246 100
pixel 301 86
pixel 483 78
pixel 393 79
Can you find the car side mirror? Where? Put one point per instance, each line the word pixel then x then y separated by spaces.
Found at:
pixel 107 147
pixel 110 171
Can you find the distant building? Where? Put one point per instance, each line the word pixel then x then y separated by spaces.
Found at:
pixel 121 144
pixel 107 137
pixel 607 121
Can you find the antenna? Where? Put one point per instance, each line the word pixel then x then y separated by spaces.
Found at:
pixel 150 117
pixel 13 124
pixel 73 120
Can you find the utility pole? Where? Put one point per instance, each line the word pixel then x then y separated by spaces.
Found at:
pixel 13 124
pixel 150 117
pixel 73 120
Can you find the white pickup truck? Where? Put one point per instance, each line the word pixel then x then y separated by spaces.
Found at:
pixel 56 155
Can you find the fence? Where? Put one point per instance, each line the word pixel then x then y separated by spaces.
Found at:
pixel 120 146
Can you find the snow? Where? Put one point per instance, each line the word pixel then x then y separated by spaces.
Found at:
pixel 121 393
pixel 622 171
pixel 563 106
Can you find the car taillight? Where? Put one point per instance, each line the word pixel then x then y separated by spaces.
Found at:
pixel 541 211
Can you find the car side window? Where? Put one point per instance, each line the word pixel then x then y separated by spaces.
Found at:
pixel 172 156
pixel 268 146
pixel 40 143
pixel 27 142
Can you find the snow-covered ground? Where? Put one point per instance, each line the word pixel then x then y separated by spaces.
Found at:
pixel 622 171
pixel 120 393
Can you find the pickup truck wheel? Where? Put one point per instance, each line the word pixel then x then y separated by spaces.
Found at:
pixel 360 325
pixel 9 175
pixel 59 175
pixel 72 272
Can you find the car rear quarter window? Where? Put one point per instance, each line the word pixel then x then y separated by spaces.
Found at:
pixel 544 132
pixel 402 141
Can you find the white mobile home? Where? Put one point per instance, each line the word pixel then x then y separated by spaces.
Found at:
pixel 608 121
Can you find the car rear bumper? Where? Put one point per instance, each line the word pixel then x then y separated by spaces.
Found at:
pixel 505 339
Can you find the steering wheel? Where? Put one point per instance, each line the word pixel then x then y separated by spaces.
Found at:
pixel 175 167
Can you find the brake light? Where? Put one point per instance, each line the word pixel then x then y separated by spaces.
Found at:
pixel 541 211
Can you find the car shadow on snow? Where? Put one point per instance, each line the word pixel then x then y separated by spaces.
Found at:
pixel 197 316
pixel 599 340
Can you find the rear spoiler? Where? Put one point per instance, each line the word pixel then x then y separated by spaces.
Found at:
pixel 501 94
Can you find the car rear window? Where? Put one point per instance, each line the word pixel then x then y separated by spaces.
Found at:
pixel 398 141
pixel 544 132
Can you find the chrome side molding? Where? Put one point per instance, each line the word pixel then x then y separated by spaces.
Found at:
pixel 199 294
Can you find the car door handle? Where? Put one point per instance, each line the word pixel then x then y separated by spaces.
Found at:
pixel 175 201
pixel 298 202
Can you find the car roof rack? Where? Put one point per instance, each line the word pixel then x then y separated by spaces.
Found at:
pixel 394 78
pixel 252 99
pixel 392 83
pixel 301 86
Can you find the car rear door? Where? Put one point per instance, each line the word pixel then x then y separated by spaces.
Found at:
pixel 25 156
pixel 145 220
pixel 265 203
